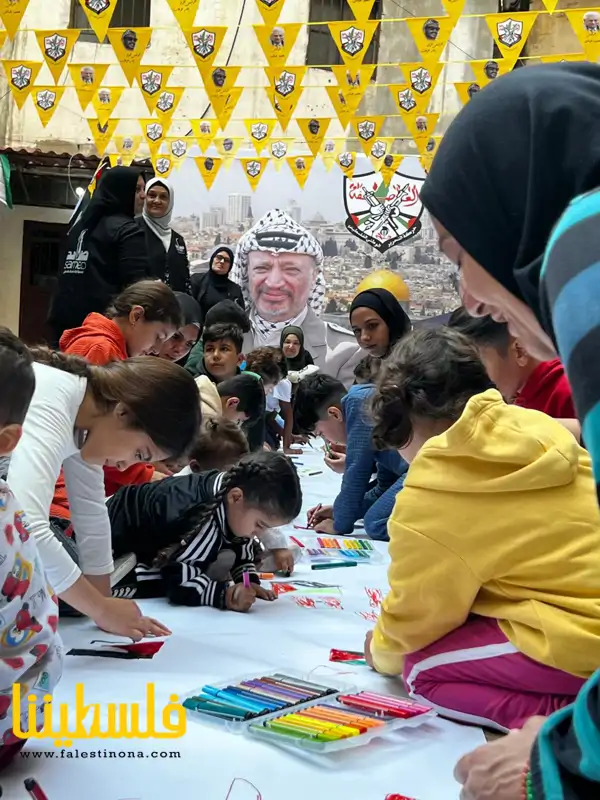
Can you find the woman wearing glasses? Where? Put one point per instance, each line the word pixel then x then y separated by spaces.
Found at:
pixel 214 286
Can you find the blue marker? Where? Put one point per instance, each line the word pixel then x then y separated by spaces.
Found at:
pixel 236 699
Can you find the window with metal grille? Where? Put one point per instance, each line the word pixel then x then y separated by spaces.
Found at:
pixel 322 50
pixel 128 14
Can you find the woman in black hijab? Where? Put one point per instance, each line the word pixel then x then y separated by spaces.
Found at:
pixel 292 344
pixel 179 345
pixel 105 250
pixel 378 321
pixel 215 286
pixel 506 170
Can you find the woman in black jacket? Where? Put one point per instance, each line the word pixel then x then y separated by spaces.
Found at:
pixel 105 250
pixel 215 286
pixel 167 253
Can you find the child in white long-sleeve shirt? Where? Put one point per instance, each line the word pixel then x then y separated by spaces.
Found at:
pixel 30 648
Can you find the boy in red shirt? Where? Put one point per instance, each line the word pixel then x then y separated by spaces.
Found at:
pixel 520 378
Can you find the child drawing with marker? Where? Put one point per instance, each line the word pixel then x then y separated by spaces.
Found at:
pixel 203 554
pixel 30 648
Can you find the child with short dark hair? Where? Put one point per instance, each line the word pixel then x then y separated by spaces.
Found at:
pixel 493 613
pixel 191 533
pixel 220 445
pixel 324 408
pixel 520 378
pixel 240 399
pixel 224 312
pixel 222 351
pixel 30 649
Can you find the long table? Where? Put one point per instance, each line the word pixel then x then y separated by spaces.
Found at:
pixel 208 646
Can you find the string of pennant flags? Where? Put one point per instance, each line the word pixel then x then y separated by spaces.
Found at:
pixel 284 86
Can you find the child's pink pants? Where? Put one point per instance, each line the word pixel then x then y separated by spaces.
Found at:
pixel 474 674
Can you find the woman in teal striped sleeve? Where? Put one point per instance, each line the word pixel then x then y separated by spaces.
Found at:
pixel 523 152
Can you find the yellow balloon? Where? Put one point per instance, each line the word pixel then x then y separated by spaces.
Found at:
pixel 385 279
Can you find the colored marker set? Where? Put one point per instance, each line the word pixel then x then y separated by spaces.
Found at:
pixel 358 551
pixel 293 712
pixel 343 721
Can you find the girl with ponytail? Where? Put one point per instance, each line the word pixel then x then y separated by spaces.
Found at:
pixel 83 418
pixel 194 535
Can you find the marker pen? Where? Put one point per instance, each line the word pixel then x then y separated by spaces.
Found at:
pixel 35 790
pixel 334 565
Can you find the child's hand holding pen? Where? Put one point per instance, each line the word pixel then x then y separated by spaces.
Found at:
pixel 239 598
pixel 319 514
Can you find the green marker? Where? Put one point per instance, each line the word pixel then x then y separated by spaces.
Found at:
pixel 335 565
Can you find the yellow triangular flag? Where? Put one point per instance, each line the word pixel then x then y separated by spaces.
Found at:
pixel 154 133
pixel 380 149
pixel 209 168
pixel 204 132
pixel 510 31
pixel 431 35
pixel 102 134
pixel 129 45
pixel 87 79
pixel 46 100
pixel 283 109
pixel 346 161
pixel 127 146
pixel 11 14
pixel 422 79
pixel 278 150
pixel 330 151
pixel 314 131
pixel 344 108
pixel 467 90
pixel 353 40
pixel 260 131
pixel 254 169
pixel 277 41
pixel 184 12
pixel 421 128
pixel 105 101
pixel 270 10
pixel 427 157
pixel 227 147
pixel 563 58
pixel 163 165
pixel 367 130
pixel 353 83
pixel 391 164
pixel 56 47
pixel 224 106
pixel 361 8
pixel 454 8
pixel 550 5
pixel 99 14
pixel 120 159
pixel 3 37
pixel 286 83
pixel 219 81
pixel 166 102
pixel 205 43
pixel 404 98
pixel 21 76
pixel 586 25
pixel 301 167
pixel 152 80
pixel 488 69
pixel 178 149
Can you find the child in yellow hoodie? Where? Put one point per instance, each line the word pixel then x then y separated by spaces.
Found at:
pixel 493 614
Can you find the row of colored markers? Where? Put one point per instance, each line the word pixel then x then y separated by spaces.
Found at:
pixel 342 716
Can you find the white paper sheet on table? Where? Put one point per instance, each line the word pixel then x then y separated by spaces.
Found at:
pixel 209 645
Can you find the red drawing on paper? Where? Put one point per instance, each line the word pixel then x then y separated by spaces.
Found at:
pixel 333 602
pixel 370 616
pixel 375 597
pixel 304 602
pixel 397 797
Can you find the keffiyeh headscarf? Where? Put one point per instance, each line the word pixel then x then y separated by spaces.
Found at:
pixel 277 232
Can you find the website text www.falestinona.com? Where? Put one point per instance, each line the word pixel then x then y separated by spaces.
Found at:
pixel 115 754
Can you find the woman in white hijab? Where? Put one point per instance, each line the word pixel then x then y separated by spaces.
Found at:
pixel 167 253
